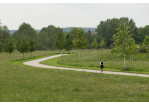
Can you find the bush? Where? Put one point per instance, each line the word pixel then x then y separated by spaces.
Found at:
pixel 53 48
pixel 41 47
pixel 142 50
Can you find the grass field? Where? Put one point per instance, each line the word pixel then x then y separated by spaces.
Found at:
pixel 112 62
pixel 21 83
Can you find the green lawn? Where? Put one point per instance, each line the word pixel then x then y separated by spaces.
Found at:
pixel 21 83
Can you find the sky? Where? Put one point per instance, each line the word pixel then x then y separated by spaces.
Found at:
pixel 41 14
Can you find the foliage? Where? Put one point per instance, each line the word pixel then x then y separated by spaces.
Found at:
pixel 102 44
pixel 146 41
pixel 18 45
pixel 26 31
pixel 23 47
pixel 1 47
pixel 59 41
pixel 94 43
pixel 80 41
pixel 106 28
pixel 10 46
pixel 4 34
pixel 6 45
pixel 68 42
pixel 122 39
pixel 31 46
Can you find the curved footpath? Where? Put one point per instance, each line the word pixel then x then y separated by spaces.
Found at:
pixel 36 63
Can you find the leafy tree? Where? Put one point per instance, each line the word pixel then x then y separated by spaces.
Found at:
pixel 73 32
pixel 68 42
pixel 106 28
pixel 1 47
pixel 18 46
pixel 132 49
pixel 102 44
pixel 80 41
pixel 4 34
pixel 146 41
pixel 31 46
pixel 59 42
pixel 94 44
pixel 23 47
pixel 6 49
pixel 26 31
pixel 122 38
pixel 10 47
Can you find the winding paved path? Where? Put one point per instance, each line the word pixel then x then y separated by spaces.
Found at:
pixel 36 63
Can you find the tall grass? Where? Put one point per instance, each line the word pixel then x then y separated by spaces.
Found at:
pixel 21 83
pixel 140 63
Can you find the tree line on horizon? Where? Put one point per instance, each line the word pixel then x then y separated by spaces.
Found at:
pixel 45 38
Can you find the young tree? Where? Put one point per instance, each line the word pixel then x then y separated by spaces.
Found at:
pixel 132 50
pixel 31 46
pixel 6 47
pixel 94 44
pixel 80 40
pixel 146 41
pixel 18 44
pixel 102 44
pixel 10 47
pixel 1 47
pixel 59 42
pixel 23 47
pixel 122 38
pixel 68 42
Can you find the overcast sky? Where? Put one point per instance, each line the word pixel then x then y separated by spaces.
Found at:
pixel 40 15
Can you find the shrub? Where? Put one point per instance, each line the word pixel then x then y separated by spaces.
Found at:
pixel 143 50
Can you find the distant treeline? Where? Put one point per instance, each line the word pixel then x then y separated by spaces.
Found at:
pixel 66 29
pixel 44 38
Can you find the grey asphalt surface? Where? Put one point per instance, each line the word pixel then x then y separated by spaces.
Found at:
pixel 36 63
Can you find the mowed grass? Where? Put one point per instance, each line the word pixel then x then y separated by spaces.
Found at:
pixel 112 62
pixel 21 83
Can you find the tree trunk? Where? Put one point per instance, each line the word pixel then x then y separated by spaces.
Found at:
pixel 124 62
pixel 31 54
pixel 71 51
pixel 23 55
pixel 130 57
pixel 10 55
pixel 7 54
pixel 19 54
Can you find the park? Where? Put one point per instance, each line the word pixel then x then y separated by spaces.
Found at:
pixel 26 83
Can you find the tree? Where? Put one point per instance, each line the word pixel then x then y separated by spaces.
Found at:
pixel 23 47
pixel 10 47
pixel 122 38
pixel 106 29
pixel 26 31
pixel 132 50
pixel 1 47
pixel 79 42
pixel 68 42
pixel 6 47
pixel 18 46
pixel 94 44
pixel 31 46
pixel 102 44
pixel 59 42
pixel 4 34
pixel 146 41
